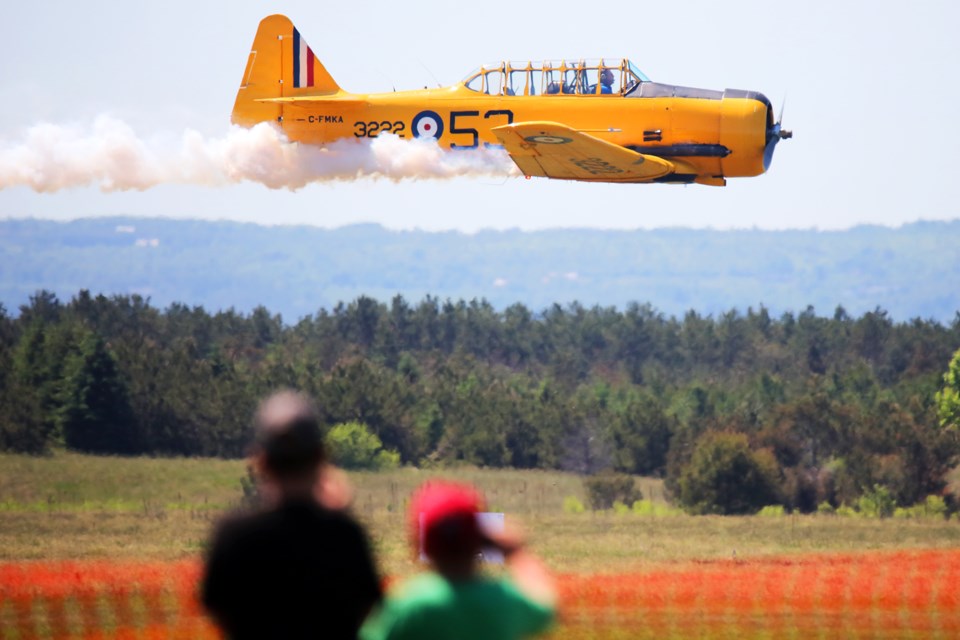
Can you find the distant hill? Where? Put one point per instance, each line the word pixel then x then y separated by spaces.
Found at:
pixel 912 271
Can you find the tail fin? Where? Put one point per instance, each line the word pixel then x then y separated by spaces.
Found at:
pixel 280 65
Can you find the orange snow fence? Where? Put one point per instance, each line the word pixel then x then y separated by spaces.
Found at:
pixel 906 594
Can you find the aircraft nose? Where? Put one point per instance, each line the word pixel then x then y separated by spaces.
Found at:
pixel 744 128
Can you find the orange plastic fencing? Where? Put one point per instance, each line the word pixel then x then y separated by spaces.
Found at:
pixel 909 594
pixel 101 599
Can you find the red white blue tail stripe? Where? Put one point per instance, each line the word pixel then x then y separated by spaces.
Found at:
pixel 302 62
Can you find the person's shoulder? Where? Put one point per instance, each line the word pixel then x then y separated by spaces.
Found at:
pixel 528 615
pixel 248 526
pixel 513 592
pixel 236 535
pixel 499 588
pixel 421 589
pixel 301 510
pixel 409 606
pixel 426 582
pixel 338 527
pixel 237 523
pixel 342 517
pixel 337 519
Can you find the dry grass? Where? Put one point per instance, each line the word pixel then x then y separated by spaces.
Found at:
pixel 609 543
pixel 101 534
pixel 73 481
pixel 72 506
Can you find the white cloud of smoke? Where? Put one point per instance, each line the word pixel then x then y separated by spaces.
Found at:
pixel 111 155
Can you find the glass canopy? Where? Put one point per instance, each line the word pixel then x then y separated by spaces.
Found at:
pixel 603 76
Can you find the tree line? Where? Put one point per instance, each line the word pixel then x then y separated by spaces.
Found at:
pixel 802 409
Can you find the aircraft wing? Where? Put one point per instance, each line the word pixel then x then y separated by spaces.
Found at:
pixel 553 150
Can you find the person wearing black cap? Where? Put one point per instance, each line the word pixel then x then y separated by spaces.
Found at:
pixel 300 566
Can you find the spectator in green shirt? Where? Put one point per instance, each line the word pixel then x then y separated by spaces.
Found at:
pixel 455 601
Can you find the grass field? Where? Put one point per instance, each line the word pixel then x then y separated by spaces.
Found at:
pixel 113 545
pixel 72 507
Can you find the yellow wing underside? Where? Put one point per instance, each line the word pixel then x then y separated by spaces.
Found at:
pixel 553 150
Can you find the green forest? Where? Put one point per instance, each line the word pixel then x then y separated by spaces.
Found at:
pixel 737 411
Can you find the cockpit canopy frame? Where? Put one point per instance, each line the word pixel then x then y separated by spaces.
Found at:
pixel 590 77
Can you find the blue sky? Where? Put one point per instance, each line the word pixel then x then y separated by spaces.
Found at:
pixel 870 86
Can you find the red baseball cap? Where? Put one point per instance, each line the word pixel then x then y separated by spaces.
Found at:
pixel 445 515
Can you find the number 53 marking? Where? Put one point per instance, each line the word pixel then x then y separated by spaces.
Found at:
pixel 494 113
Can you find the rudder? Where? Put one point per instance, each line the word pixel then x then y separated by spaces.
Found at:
pixel 280 64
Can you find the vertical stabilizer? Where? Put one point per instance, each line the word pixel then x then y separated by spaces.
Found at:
pixel 280 65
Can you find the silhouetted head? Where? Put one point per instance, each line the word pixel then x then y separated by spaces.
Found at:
pixel 443 522
pixel 288 439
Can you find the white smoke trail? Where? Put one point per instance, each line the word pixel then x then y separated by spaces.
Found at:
pixel 110 154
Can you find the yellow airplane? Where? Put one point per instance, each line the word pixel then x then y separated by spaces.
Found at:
pixel 600 120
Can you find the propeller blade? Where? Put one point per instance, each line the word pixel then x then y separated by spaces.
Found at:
pixel 772 141
pixel 775 134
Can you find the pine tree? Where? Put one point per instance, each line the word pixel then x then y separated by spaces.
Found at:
pixel 94 413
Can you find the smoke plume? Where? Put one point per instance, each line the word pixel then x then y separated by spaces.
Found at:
pixel 111 155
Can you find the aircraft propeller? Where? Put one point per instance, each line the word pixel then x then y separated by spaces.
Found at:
pixel 775 134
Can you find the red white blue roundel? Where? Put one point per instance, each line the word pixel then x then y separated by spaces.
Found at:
pixel 427 124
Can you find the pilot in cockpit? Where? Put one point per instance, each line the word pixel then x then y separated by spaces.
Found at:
pixel 606 81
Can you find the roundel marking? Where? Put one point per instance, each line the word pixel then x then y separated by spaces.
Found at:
pixel 548 139
pixel 427 124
